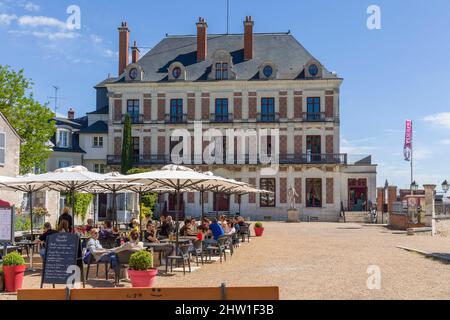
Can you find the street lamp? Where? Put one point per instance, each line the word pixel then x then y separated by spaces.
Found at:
pixel 445 186
pixel 414 186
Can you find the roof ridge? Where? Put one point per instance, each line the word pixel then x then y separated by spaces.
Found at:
pixel 227 34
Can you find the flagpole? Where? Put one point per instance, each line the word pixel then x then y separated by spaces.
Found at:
pixel 412 172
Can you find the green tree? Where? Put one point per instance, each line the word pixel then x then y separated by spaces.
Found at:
pixel 127 145
pixel 31 120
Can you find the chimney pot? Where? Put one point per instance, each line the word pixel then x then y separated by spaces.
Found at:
pixel 71 114
pixel 135 53
pixel 124 38
pixel 202 39
pixel 248 38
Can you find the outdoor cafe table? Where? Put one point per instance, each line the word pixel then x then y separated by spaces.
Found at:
pixel 29 246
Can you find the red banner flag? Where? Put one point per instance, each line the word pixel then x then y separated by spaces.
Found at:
pixel 407 149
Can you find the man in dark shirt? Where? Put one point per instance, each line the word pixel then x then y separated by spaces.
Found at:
pixel 66 216
pixel 43 237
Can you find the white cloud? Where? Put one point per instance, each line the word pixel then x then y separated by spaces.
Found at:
pixel 6 19
pixel 55 35
pixel 110 53
pixel 96 39
pixel 444 141
pixel 30 6
pixel 439 119
pixel 352 149
pixel 41 21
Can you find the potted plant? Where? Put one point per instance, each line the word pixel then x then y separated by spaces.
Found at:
pixel 140 269
pixel 13 270
pixel 259 230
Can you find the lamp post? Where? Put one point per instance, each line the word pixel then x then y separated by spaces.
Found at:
pixel 386 186
pixel 414 187
pixel 445 186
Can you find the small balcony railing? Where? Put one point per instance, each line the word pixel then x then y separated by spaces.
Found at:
pixel 268 117
pixel 221 117
pixel 313 158
pixel 316 117
pixel 135 119
pixel 176 118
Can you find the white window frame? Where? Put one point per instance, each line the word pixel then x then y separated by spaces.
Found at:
pixel 58 138
pixel 68 162
pixel 98 144
pixel 99 165
pixel 2 163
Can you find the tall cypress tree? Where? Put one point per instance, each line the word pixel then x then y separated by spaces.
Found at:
pixel 127 144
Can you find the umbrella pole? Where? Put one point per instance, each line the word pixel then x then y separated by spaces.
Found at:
pixel 140 215
pixel 72 192
pixel 203 204
pixel 177 208
pixel 239 204
pixel 114 209
pixel 30 195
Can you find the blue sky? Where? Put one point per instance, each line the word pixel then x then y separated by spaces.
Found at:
pixel 399 72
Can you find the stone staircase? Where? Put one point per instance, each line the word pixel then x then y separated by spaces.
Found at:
pixel 356 217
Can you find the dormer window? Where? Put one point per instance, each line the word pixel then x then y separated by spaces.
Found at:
pixel 222 71
pixel 267 71
pixel 63 138
pixel 177 71
pixel 313 69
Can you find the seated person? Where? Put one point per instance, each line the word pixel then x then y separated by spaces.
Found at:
pixel 132 244
pixel 186 227
pixel 106 230
pixel 230 229
pixel 216 229
pixel 89 226
pixel 43 237
pixel 95 249
pixel 201 233
pixel 192 231
pixel 150 233
pixel 134 224
pixel 166 227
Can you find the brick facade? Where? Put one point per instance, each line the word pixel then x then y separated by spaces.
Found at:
pixel 330 190
pixel 329 144
pixel 147 146
pixel 298 189
pixel 147 109
pixel 283 190
pixel 283 104
pixel 237 106
pixel 117 146
pixel 392 197
pixel 205 106
pixel 252 196
pixel 161 107
pixel 118 110
pixel 252 103
pixel 191 107
pixel 298 145
pixel 283 145
pixel 329 108
pixel 161 145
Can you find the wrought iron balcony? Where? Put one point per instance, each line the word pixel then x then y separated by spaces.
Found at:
pixel 221 117
pixel 268 117
pixel 316 117
pixel 313 158
pixel 164 159
pixel 176 118
pixel 135 119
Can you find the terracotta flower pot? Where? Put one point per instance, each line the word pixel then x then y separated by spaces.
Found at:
pixel 13 277
pixel 142 279
pixel 259 232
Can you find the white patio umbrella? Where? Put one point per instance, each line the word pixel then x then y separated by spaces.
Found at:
pixel 28 184
pixel 178 178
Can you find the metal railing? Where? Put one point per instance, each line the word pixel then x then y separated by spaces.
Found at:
pixel 316 117
pixel 221 117
pixel 176 118
pixel 268 117
pixel 163 159
pixel 135 119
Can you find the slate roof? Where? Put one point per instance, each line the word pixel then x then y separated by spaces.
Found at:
pixel 281 49
pixel 97 127
pixel 104 110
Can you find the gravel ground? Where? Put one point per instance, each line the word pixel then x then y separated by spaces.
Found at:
pixel 323 261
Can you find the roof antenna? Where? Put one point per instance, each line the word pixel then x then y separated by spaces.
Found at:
pixel 228 15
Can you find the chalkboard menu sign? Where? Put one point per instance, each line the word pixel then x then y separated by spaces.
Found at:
pixel 62 251
pixel 6 224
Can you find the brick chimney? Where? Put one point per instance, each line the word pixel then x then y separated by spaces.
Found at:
pixel 248 38
pixel 71 114
pixel 124 38
pixel 202 39
pixel 134 53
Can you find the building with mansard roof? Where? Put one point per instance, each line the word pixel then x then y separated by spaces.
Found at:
pixel 248 81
